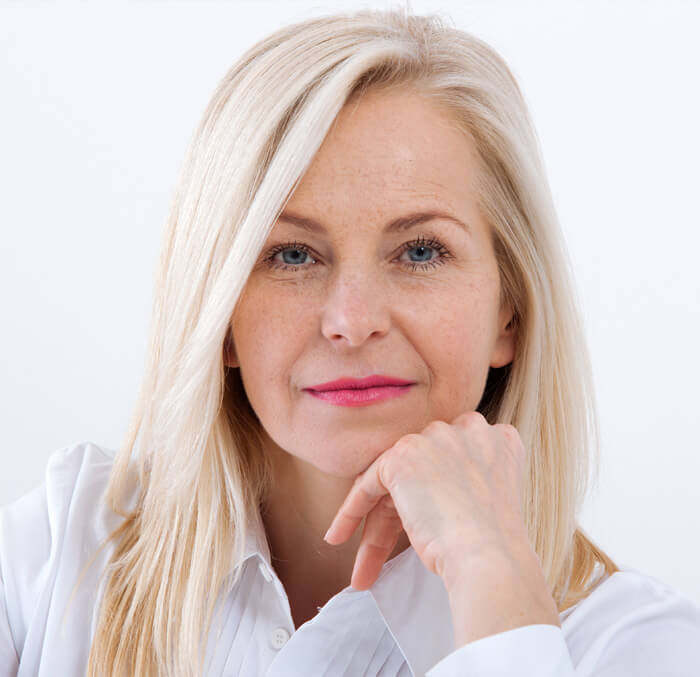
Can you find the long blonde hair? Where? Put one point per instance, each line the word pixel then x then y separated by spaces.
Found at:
pixel 194 443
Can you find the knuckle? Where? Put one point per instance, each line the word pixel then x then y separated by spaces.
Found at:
pixel 387 472
pixel 436 426
pixel 406 442
pixel 508 430
pixel 512 436
pixel 471 419
pixel 512 430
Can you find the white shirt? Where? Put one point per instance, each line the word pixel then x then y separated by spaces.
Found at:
pixel 631 625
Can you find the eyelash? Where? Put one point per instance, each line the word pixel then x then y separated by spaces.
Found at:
pixel 421 241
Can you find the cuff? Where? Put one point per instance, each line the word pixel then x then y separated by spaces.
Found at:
pixel 529 651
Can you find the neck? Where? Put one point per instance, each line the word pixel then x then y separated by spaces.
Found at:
pixel 300 508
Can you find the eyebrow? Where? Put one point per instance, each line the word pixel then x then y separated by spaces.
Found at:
pixel 396 225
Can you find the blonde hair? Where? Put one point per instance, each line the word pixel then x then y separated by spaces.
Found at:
pixel 194 443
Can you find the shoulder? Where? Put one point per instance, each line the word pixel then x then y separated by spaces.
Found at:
pixel 52 529
pixel 75 474
pixel 630 591
pixel 632 618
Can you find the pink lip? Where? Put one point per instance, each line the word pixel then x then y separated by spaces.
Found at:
pixel 372 381
pixel 360 397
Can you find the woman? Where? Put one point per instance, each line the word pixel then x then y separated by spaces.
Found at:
pixel 364 328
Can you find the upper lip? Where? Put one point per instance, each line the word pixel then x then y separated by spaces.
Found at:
pixel 368 382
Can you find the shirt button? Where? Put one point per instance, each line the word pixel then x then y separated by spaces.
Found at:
pixel 279 638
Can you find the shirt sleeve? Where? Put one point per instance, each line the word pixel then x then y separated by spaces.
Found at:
pixel 9 660
pixel 658 637
pixel 528 651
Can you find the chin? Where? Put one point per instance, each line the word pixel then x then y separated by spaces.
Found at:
pixel 342 465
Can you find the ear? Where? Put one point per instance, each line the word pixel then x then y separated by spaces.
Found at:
pixel 504 347
pixel 230 356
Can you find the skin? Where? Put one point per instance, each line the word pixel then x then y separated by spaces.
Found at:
pixel 352 306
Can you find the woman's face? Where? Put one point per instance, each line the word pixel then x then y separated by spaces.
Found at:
pixel 353 298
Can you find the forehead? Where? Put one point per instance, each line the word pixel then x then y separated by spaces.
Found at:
pixel 386 151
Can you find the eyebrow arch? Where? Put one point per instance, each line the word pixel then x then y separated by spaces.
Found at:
pixel 397 225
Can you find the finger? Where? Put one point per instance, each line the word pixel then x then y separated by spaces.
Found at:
pixel 379 537
pixel 364 495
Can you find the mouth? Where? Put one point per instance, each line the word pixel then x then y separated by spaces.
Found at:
pixel 360 397
pixel 373 381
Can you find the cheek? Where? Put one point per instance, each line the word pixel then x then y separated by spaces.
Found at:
pixel 269 331
pixel 458 318
pixel 455 343
pixel 456 350
pixel 260 322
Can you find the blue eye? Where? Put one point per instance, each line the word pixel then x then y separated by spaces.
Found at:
pixel 299 251
pixel 423 246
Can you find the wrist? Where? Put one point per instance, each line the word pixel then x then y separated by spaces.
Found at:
pixel 503 561
pixel 498 592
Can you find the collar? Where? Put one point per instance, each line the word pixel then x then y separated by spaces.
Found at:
pixel 412 601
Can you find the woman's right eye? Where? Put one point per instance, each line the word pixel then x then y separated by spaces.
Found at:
pixel 299 250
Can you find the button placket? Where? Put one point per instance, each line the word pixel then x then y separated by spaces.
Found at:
pixel 280 635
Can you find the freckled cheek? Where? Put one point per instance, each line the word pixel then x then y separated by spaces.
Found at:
pixel 267 324
pixel 455 340
pixel 454 346
pixel 457 365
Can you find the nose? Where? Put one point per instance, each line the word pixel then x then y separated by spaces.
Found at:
pixel 356 308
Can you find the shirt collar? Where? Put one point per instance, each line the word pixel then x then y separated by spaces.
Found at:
pixel 412 600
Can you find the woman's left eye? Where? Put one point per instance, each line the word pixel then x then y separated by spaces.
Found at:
pixel 425 247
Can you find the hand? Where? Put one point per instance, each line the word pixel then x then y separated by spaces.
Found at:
pixel 455 489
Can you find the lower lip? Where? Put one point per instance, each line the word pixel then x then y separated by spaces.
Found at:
pixel 359 397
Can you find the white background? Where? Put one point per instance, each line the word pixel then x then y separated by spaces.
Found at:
pixel 98 102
